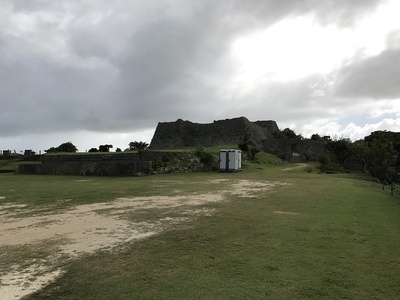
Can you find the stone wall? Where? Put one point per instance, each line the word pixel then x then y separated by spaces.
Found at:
pixel 87 168
pixel 122 164
pixel 271 126
pixel 128 164
pixel 157 156
pixel 231 131
pixel 93 157
pixel 176 161
pixel 295 149
pixel 234 131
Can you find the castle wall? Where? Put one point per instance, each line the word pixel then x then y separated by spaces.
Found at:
pixel 231 131
pixel 234 131
pixel 285 148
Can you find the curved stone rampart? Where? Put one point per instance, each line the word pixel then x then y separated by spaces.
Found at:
pixel 230 131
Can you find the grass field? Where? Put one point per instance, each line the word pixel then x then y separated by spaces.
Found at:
pixel 312 236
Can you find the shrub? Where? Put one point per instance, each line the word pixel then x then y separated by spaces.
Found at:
pixel 253 151
pixel 324 161
pixel 326 165
pixel 206 157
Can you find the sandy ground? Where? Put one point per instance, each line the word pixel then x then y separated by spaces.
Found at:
pixel 88 228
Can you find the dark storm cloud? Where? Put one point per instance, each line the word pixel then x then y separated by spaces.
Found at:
pixel 129 64
pixel 166 65
pixel 376 77
pixel 39 96
pixel 162 76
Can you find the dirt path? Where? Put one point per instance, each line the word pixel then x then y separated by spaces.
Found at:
pixel 88 228
pixel 295 166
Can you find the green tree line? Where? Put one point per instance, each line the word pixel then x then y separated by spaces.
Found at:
pixel 377 154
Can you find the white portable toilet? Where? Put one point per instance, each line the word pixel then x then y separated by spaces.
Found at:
pixel 230 160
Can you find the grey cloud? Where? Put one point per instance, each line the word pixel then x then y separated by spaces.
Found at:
pixel 393 39
pixel 288 102
pixel 374 77
pixel 34 6
pixel 166 63
pixel 41 97
pixel 152 62
pixel 341 12
pixel 175 56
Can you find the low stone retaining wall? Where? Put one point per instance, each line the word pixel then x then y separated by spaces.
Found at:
pixel 95 165
pixel 116 164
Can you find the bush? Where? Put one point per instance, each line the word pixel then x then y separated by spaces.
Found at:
pixel 244 146
pixel 326 165
pixel 253 151
pixel 206 157
pixel 249 150
pixel 324 161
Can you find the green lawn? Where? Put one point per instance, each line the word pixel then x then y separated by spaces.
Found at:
pixel 318 237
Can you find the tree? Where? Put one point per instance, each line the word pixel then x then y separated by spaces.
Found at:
pixel 341 148
pixel 289 133
pixel 65 147
pixel 136 146
pixel 93 150
pixel 52 150
pixel 315 137
pixel 278 135
pixel 246 143
pixel 253 151
pixel 105 148
pixel 248 147
pixel 286 133
pixel 324 161
pixel 379 154
pixel 244 146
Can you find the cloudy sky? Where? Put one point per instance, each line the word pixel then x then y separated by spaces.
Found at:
pixel 106 72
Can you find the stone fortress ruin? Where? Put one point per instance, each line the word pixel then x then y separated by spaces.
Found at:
pixel 179 134
pixel 261 134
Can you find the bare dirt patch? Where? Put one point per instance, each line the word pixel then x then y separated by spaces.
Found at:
pixel 88 228
pixel 290 213
pixel 295 166
pixel 251 189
